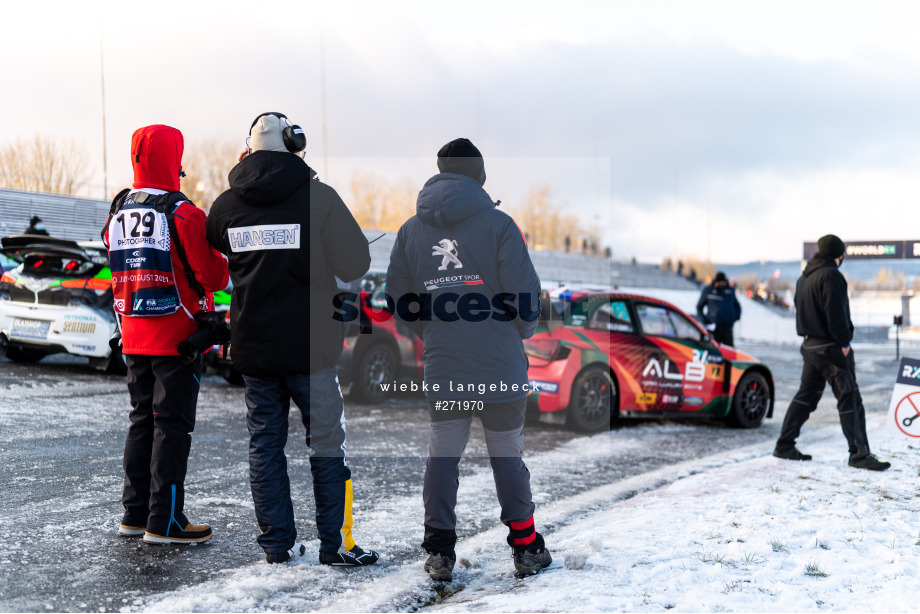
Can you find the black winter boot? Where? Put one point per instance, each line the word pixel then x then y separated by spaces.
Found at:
pixel 531 558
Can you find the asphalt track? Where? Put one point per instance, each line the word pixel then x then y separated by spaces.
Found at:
pixel 62 428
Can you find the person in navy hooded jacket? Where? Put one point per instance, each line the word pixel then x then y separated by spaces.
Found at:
pixel 719 309
pixel 461 252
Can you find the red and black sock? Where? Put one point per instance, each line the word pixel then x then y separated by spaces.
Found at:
pixel 523 536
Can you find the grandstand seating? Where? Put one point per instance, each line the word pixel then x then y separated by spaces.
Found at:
pixel 65 217
pixel 559 268
pixel 81 219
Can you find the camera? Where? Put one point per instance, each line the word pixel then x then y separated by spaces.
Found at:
pixel 213 330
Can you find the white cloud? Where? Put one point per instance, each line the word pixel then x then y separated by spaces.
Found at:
pixel 780 115
pixel 768 215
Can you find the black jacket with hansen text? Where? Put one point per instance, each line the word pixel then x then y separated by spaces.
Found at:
pixel 286 236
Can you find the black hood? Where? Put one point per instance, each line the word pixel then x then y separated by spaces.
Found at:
pixel 818 261
pixel 267 177
pixel 448 198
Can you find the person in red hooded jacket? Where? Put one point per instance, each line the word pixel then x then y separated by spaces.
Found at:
pixel 156 303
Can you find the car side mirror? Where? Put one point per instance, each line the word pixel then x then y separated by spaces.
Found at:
pixel 549 316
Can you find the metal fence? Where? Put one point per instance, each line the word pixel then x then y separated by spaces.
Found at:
pixel 555 268
pixel 81 219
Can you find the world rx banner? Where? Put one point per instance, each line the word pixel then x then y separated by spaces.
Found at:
pixel 872 250
pixel 904 410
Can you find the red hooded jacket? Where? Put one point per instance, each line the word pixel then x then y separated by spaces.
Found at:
pixel 156 155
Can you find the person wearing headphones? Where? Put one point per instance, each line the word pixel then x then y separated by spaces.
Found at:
pixel 287 236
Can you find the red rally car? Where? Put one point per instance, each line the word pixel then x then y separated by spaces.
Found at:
pixel 599 356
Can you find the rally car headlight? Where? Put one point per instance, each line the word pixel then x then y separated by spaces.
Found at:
pixel 6 280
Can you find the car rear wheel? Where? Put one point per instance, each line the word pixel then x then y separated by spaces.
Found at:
pixel 751 401
pixel 377 366
pixel 21 354
pixel 593 399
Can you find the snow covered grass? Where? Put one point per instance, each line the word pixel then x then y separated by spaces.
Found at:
pixel 757 324
pixel 754 533
pixel 736 531
pixel 757 534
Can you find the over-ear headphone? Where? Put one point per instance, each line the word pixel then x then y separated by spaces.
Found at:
pixel 293 136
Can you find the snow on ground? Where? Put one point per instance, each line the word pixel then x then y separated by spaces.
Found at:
pixel 874 308
pixel 736 531
pixel 756 534
pixel 758 324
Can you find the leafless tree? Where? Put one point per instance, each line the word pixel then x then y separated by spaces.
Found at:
pixel 206 165
pixel 547 224
pixel 380 203
pixel 44 164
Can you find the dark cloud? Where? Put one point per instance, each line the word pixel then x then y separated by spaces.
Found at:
pixel 664 114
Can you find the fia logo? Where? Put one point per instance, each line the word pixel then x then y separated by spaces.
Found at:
pixel 447 250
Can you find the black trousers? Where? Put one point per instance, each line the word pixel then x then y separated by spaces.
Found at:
pixel 164 396
pixel 825 363
pixel 322 412
pixel 503 424
pixel 724 334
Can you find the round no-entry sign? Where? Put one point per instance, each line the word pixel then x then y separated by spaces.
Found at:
pixel 907 415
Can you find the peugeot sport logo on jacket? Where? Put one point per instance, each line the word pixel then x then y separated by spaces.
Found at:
pixel 447 250
pixel 475 351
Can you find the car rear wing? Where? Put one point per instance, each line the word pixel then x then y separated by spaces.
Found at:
pixel 18 247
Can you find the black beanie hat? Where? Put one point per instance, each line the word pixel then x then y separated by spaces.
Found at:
pixel 720 276
pixel 461 156
pixel 831 246
pixel 35 220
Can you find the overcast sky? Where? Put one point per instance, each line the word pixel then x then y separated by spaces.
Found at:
pixel 731 130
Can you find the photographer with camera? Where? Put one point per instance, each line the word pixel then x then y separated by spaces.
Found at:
pixel 164 274
pixel 287 236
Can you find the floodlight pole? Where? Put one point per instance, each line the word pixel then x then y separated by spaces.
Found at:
pixel 322 77
pixel 478 114
pixel 105 157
